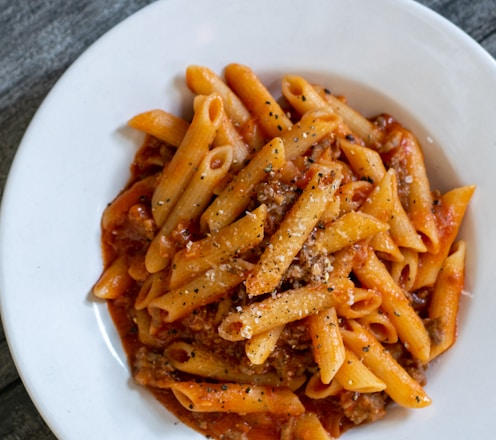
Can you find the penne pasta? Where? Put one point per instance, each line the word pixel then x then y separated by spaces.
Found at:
pixel 236 197
pixel 303 96
pixel 114 281
pixel 260 346
pixel 365 162
pixel 316 389
pixel 378 323
pixel 143 324
pixel 161 124
pixel 205 289
pixel 363 303
pixel 228 135
pixel 373 274
pixel 219 247
pixel 415 187
pixel 355 376
pixel 352 195
pixel 240 398
pixel 312 128
pixel 203 81
pixel 384 203
pixel 287 307
pixel 197 360
pixel 348 229
pixel 386 247
pixel 399 385
pixel 328 348
pixel 277 266
pixel 360 125
pixel 194 146
pixel 293 231
pixel 449 210
pixel 343 261
pixel 443 309
pixel 113 213
pixel 257 99
pixel 154 286
pixel 404 272
pixel 196 196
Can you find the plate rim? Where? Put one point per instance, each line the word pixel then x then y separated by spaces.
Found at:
pixel 15 350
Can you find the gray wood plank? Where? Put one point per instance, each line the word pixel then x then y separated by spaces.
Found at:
pixel 19 418
pixel 489 44
pixel 38 41
pixel 8 372
pixel 476 17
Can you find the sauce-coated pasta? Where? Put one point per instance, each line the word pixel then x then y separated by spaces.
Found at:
pixel 270 265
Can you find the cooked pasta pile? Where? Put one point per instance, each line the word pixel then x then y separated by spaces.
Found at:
pixel 280 268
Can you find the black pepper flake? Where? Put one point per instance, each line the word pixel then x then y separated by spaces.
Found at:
pixel 366 348
pixel 279 128
pixel 350 137
pixel 224 387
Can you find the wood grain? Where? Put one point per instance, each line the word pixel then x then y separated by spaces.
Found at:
pixel 19 418
pixel 38 41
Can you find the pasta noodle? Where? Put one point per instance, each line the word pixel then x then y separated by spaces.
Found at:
pixel 328 347
pixel 280 268
pixel 293 231
pixel 237 398
pixel 260 346
pixel 197 194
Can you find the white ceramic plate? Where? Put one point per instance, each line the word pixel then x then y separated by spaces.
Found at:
pixel 385 55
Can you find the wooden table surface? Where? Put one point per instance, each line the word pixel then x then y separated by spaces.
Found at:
pixel 38 41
